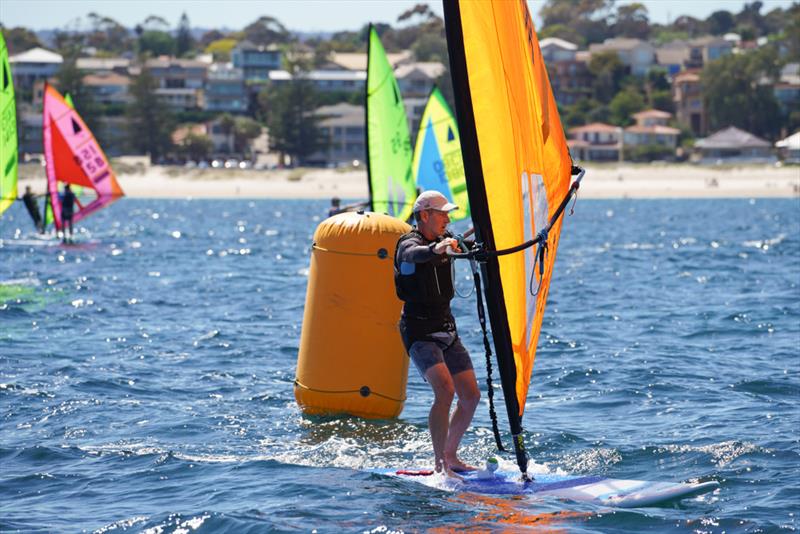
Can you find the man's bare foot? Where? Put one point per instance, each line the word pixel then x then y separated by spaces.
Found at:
pixel 458 466
pixel 442 467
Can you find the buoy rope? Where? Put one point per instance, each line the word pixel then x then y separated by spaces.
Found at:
pixel 371 392
pixel 321 249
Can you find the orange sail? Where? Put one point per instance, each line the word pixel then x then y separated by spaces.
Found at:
pixel 518 172
pixel 73 156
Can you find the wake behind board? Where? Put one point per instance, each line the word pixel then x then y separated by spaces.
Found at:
pixel 595 489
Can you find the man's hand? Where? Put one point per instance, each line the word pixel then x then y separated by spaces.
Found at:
pixel 442 246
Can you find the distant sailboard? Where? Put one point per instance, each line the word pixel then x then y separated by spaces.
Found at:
pixel 594 489
pixel 73 156
pixel 437 162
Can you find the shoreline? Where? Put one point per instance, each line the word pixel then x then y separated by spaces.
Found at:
pixel 603 181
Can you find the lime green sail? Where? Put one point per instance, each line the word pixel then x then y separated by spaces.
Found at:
pixel 437 161
pixel 391 182
pixel 8 132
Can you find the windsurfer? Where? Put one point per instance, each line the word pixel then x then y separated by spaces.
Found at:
pixel 423 280
pixel 336 206
pixel 29 199
pixel 68 202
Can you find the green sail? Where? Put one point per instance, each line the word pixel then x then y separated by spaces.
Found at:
pixel 437 160
pixel 391 182
pixel 8 132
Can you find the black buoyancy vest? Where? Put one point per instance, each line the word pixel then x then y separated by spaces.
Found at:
pixel 428 290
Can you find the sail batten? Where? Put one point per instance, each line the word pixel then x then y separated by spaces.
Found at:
pixel 517 170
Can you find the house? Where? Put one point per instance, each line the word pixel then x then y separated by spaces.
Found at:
pixel 651 130
pixel 596 142
pixel 180 81
pixel 108 87
pixel 36 64
pixel 555 49
pixel 705 49
pixel 733 145
pixel 225 90
pixel 358 61
pixel 687 96
pixel 256 61
pixel 417 79
pixel 343 127
pixel 789 148
pixel 326 80
pixel 120 65
pixel 570 79
pixel 787 88
pixel 636 55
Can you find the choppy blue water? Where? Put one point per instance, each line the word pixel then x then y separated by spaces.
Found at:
pixel 146 376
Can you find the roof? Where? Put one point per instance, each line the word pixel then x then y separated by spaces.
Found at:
pixel 669 55
pixel 358 61
pixel 555 41
pixel 37 55
pixel 655 129
pixel 792 142
pixel 102 63
pixel 342 114
pixel 181 133
pixel 686 76
pixel 618 43
pixel 167 62
pixel 652 113
pixel 431 69
pixel 595 127
pixel 732 137
pixel 106 78
pixel 318 75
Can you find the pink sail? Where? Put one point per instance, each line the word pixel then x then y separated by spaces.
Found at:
pixel 73 156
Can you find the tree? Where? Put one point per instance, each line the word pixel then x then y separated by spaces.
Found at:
pixel 431 47
pixel 289 115
pixel 720 22
pixel 266 31
pixel 196 147
pixel 245 130
pixel 632 21
pixel 589 18
pixel 107 34
pixel 184 42
pixel 735 95
pixel 156 43
pixel 624 105
pixel 608 72
pixel 149 120
pixel 221 49
pixel 19 40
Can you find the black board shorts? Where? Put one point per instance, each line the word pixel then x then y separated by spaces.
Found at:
pixel 441 347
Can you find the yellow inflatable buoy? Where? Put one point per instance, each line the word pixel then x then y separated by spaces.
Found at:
pixel 351 357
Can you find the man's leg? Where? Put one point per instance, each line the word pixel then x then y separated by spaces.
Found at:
pixel 466 387
pixel 438 420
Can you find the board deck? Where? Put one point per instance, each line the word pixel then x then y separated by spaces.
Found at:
pixel 596 489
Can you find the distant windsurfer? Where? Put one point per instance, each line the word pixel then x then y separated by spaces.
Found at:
pixel 29 199
pixel 68 202
pixel 424 283
pixel 336 206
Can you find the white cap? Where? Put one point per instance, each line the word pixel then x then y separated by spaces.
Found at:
pixel 433 200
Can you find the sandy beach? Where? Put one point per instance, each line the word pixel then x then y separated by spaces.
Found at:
pixel 140 180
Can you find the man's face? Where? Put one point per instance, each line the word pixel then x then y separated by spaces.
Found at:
pixel 435 221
